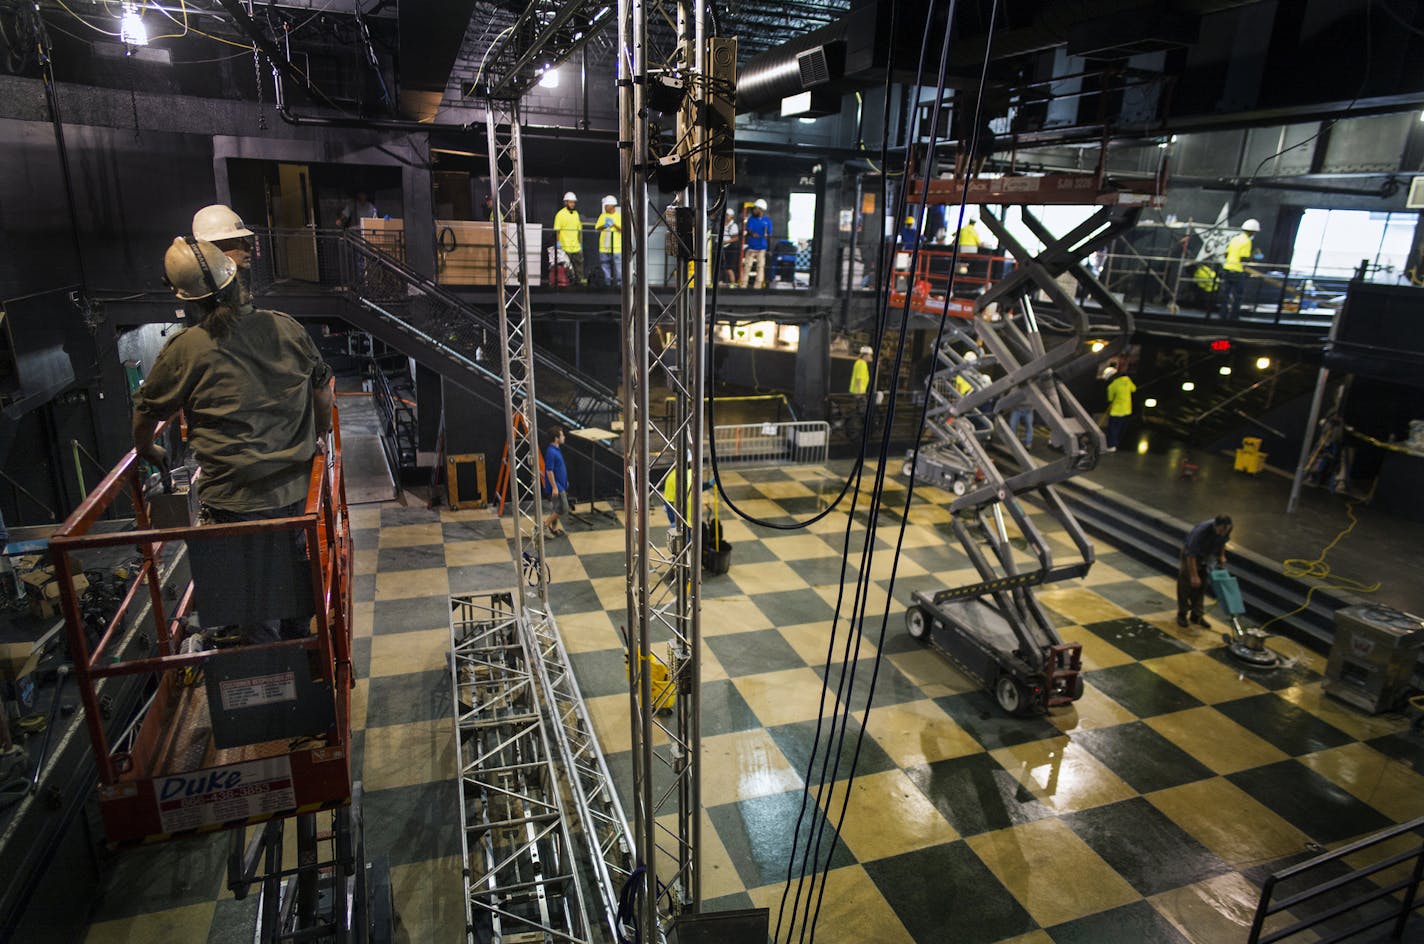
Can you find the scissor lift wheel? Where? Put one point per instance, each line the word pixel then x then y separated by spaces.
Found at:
pixel 917 624
pixel 1009 695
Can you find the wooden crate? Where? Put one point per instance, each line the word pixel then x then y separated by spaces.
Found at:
pixel 467 253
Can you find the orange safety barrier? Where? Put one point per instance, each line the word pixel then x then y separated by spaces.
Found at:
pixel 153 790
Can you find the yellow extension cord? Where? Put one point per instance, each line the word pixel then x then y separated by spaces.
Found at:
pixel 1301 569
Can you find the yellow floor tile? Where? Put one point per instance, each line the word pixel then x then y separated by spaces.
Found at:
pixel 744 765
pixel 779 490
pixel 1386 784
pixel 399 755
pixel 400 653
pixel 799 547
pixel 1409 842
pixel 1101 573
pixel 609 714
pixel 852 909
pixel 719 873
pixel 930 514
pixel 566 569
pixel 1298 654
pixel 363 561
pixel 1063 775
pixel 918 732
pixel 1215 740
pixel 364 516
pixel 1347 718
pixel 782 697
pixel 602 541
pixel 359 692
pixel 767 577
pixel 363 617
pixel 722 615
pixel 875 601
pixel 409 535
pixel 1229 822
pixel 1031 861
pixel 1081 605
pixel 1209 680
pixel 1032 937
pixel 1093 710
pixel 612 592
pixel 588 632
pixel 429 900
pixel 763 508
pixel 810 641
pixel 935 675
pixel 1193 635
pixel 1098 653
pixel 887 816
pixel 915 536
pixel 712 670
pixel 404 584
pixel 189 923
pixel 1217 910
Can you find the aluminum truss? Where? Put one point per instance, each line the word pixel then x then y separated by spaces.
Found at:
pixel 658 40
pixel 521 879
pixel 516 335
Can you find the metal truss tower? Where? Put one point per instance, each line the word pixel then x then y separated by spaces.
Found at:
pixel 662 51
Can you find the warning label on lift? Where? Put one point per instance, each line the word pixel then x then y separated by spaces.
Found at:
pixel 223 794
pixel 258 690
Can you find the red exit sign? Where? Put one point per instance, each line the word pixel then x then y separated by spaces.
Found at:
pixel 1221 344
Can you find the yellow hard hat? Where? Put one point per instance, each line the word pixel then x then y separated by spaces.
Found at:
pixel 196 269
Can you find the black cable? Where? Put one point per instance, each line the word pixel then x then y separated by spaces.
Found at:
pixel 910 490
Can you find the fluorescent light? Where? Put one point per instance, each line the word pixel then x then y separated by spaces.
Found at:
pixel 550 78
pixel 1097 346
pixel 131 28
pixel 1224 371
pixel 1262 363
pixel 797 104
pixel 806 121
pixel 1188 386
pixel 1150 402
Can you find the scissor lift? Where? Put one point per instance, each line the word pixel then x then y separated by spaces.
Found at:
pixel 241 736
pixel 990 364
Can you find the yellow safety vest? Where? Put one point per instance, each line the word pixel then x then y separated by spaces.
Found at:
pixel 968 238
pixel 610 240
pixel 1237 251
pixel 567 228
pixel 859 376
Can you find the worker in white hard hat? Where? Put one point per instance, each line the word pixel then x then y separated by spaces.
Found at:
pixel 757 227
pixel 1233 269
pixel 221 226
pixel 609 227
pixel 568 234
pixel 256 394
pixel 860 372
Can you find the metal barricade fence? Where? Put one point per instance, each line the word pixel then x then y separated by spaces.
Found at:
pixel 793 443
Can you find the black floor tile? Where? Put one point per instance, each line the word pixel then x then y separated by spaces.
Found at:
pixel 598 566
pixel 365 539
pixel 751 552
pixel 393 515
pixel 1318 875
pixel 1309 802
pixel 937 560
pixel 471 530
pixel 824 571
pixel 891 685
pixel 1144 759
pixel 402 699
pixel 764 650
pixel 600 673
pixel 1134 597
pixel 1128 565
pixel 758 835
pixel 1288 675
pixel 471 578
pixel 981 717
pixel 1406 747
pixel 945 894
pixel 790 607
pixel 802 507
pixel 1142 845
pixel 739 493
pixel 1293 730
pixel 739 901
pixel 1136 637
pixel 976 794
pixel 719 585
pixel 361 656
pixel 162 876
pixel 797 740
pixel 724 710
pixel 574 596
pixel 416 613
pixel 414 557
pixel 363 588
pixel 905 586
pixel 411 824
pixel 1140 690
pixel 1137 923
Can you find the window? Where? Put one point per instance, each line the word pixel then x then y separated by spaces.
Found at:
pixel 1332 243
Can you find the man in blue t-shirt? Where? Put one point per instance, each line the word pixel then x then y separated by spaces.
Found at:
pixel 556 483
pixel 757 231
pixel 1205 545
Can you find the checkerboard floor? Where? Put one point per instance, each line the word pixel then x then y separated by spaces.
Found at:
pixel 1150 811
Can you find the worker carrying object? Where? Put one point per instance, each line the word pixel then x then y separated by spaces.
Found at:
pixel 860 372
pixel 757 228
pixel 256 394
pixel 1233 269
pixel 1205 544
pixel 609 226
pixel 568 233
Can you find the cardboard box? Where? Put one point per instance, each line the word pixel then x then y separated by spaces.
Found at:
pixel 36 579
pixel 13 658
pixel 80 582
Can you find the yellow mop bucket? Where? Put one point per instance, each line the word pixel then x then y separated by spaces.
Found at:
pixel 664 691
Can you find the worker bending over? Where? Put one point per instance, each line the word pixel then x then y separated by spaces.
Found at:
pixel 256 395
pixel 1205 543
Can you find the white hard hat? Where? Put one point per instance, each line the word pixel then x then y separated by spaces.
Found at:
pixel 196 269
pixel 1251 226
pixel 867 350
pixel 610 199
pixel 971 356
pixel 218 222
pixel 571 196
pixel 760 204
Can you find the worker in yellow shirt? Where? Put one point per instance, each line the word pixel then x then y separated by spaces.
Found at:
pixel 969 238
pixel 1120 391
pixel 1233 270
pixel 860 372
pixel 568 232
pixel 609 227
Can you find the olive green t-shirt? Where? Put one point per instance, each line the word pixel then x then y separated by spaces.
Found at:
pixel 248 400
